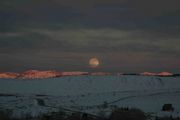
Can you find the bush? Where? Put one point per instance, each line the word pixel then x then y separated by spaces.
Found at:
pixel 105 105
pixel 4 115
pixel 54 116
pixel 127 114
pixel 117 114
pixel 167 118
pixel 74 116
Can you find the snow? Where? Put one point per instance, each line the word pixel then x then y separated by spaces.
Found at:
pixel 89 93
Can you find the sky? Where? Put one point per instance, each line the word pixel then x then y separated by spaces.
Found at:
pixel 125 35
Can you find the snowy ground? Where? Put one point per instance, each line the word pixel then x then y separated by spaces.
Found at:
pixel 91 94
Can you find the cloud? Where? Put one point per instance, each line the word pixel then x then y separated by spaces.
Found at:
pixel 107 40
pixel 121 14
pixel 91 40
pixel 11 34
pixel 154 8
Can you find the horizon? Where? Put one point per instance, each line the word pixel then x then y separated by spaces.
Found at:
pixel 38 70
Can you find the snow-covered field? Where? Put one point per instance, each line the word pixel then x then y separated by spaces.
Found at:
pixel 91 94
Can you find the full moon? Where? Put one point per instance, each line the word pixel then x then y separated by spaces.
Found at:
pixel 93 62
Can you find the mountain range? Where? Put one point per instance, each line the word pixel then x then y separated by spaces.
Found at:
pixel 37 74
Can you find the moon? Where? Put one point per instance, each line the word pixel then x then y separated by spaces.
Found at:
pixel 94 62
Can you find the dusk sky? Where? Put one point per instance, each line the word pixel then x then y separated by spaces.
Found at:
pixel 125 35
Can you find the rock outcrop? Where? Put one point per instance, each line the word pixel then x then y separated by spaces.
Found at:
pixel 75 73
pixel 9 75
pixel 157 74
pixel 148 74
pixel 35 74
pixel 100 73
pixel 165 74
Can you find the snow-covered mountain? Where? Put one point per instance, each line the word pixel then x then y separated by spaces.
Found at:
pixel 8 75
pixel 37 74
pixel 34 74
pixel 157 74
pixel 89 94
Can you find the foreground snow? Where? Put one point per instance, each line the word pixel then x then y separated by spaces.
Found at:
pixel 90 94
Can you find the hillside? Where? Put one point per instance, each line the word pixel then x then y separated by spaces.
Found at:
pixel 89 94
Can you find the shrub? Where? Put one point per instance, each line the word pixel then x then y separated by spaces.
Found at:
pixel 74 116
pixel 4 115
pixel 105 105
pixel 127 114
pixel 167 118
pixel 54 116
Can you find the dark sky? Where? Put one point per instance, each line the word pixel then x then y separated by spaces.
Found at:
pixel 126 35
